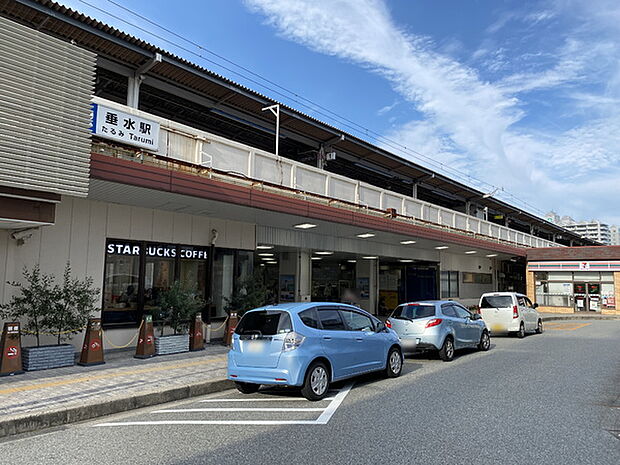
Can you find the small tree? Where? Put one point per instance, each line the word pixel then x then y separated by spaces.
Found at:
pixel 74 302
pixel 177 305
pixel 34 301
pixel 249 293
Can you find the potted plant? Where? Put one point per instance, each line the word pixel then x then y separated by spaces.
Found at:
pixel 177 305
pixel 60 310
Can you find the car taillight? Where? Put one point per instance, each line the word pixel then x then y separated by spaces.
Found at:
pixel 388 323
pixel 515 312
pixel 292 341
pixel 433 322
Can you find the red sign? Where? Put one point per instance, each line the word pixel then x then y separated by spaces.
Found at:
pixel 12 352
pixel 95 345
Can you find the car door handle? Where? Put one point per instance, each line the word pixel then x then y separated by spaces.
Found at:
pixel 357 338
pixel 327 338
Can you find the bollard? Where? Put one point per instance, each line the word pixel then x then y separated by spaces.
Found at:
pixel 196 340
pixel 231 325
pixel 92 349
pixel 11 355
pixel 146 347
pixel 208 334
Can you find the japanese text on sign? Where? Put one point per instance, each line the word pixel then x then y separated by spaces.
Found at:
pixel 125 127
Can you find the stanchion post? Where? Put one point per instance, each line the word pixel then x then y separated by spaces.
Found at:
pixel 196 334
pixel 231 325
pixel 92 349
pixel 11 346
pixel 146 340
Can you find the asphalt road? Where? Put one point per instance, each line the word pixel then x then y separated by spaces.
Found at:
pixel 546 399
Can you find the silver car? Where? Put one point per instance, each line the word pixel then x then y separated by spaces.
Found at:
pixel 439 325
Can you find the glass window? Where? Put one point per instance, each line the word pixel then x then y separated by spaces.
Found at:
pixel 356 321
pixel 461 311
pixel 223 279
pixel 607 276
pixel 193 269
pixel 413 311
pixel 121 284
pixel 528 302
pixel 608 295
pixel 579 288
pixel 587 276
pixel 310 318
pixel 496 301
pixel 560 276
pixel 264 323
pixel 448 310
pixel 158 273
pixel 521 301
pixel 594 288
pixel 541 275
pixel 330 319
pixel 449 284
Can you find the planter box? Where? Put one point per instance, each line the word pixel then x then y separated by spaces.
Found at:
pixel 172 344
pixel 45 357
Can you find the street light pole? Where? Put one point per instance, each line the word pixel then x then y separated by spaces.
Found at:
pixel 275 109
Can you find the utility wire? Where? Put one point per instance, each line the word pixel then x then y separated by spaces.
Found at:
pixel 297 98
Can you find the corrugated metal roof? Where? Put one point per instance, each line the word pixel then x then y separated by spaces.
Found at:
pixel 108 41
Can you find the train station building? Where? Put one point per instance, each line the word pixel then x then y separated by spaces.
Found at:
pixel 140 168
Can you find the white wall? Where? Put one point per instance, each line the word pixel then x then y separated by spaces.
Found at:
pixel 469 293
pixel 79 235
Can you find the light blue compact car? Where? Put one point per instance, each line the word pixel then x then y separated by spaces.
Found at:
pixel 310 345
pixel 440 325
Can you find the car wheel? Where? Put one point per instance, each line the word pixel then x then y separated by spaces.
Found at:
pixel 446 353
pixel 485 341
pixel 539 327
pixel 521 332
pixel 246 388
pixel 394 364
pixel 316 382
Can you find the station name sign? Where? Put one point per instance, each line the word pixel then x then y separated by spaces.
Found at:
pixel 120 126
pixel 157 250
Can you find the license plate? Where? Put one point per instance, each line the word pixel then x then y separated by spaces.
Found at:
pixel 255 346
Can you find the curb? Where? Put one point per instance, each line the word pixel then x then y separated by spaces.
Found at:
pixel 580 317
pixel 30 423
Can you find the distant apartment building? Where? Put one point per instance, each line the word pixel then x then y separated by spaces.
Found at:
pixel 592 229
pixel 615 235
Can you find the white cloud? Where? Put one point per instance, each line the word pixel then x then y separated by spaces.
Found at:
pixel 472 124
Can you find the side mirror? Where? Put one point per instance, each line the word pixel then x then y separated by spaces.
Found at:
pixel 476 316
pixel 380 327
pixel 535 305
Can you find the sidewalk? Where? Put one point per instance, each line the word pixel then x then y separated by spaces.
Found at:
pixel 40 399
pixel 577 316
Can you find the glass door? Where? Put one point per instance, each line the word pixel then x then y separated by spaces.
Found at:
pixel 580 293
pixel 594 297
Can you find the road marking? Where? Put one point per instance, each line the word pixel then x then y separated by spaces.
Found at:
pixel 32 387
pixel 254 399
pixel 568 327
pixel 323 419
pixel 234 409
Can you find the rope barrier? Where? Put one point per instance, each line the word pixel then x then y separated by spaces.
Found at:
pixel 221 326
pixel 131 341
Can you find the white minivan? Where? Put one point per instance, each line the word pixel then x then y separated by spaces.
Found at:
pixel 510 312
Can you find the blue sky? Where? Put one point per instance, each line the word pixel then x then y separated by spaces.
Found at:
pixel 524 95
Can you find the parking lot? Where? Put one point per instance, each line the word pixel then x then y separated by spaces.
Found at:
pixel 550 398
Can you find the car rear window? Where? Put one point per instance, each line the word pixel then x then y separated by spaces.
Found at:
pixel 496 301
pixel 264 323
pixel 413 312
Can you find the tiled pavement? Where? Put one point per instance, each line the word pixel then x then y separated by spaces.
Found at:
pixel 121 377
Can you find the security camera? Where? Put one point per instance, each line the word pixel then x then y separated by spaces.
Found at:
pixel 214 235
pixel 22 235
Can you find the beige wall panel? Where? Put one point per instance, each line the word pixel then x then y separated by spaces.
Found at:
pixel 201 230
pixel 141 224
pixel 4 261
pixel 182 228
pixel 78 243
pixel 119 221
pixel 162 226
pixel 233 234
pixel 96 243
pixel 55 240
pixel 248 237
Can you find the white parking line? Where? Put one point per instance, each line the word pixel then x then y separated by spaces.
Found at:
pixel 323 419
pixel 285 409
pixel 255 399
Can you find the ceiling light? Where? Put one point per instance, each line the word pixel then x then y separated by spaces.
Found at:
pixel 267 259
pixel 405 260
pixel 365 235
pixel 264 247
pixel 491 255
pixel 323 252
pixel 469 252
pixel 442 247
pixel 262 264
pixel 316 258
pixel 370 257
pixel 352 261
pixel 265 255
pixel 305 226
pixel 272 263
pixel 407 242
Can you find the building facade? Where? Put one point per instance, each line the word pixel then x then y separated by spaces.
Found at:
pixel 141 169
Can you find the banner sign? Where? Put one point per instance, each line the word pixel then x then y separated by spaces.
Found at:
pixel 574 266
pixel 157 250
pixel 124 127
